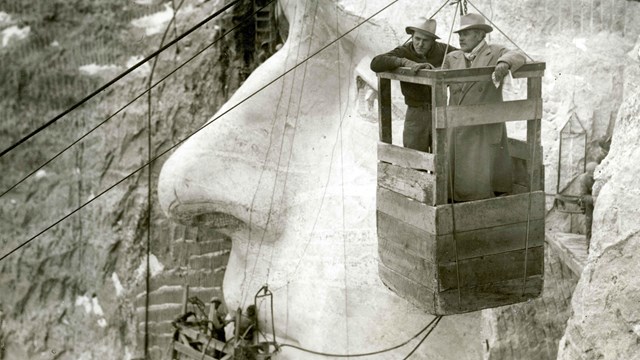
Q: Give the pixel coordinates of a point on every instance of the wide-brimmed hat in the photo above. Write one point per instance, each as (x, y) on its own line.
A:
(473, 21)
(425, 26)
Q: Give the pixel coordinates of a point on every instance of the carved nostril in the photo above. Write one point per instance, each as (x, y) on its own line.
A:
(203, 214)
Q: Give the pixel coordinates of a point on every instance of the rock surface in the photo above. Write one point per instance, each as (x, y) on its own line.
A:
(605, 323)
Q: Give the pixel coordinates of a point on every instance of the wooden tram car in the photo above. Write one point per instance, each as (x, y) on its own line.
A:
(451, 258)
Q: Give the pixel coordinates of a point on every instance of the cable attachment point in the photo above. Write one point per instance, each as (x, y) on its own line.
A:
(463, 5)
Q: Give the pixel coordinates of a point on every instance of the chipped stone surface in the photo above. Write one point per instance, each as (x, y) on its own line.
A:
(605, 304)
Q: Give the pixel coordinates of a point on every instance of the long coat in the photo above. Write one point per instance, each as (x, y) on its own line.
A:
(479, 156)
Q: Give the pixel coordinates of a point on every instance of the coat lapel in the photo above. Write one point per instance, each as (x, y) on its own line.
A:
(482, 59)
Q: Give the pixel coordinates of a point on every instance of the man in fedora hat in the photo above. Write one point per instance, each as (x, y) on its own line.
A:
(479, 155)
(423, 52)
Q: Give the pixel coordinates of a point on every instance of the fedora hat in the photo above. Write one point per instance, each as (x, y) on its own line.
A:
(425, 26)
(473, 21)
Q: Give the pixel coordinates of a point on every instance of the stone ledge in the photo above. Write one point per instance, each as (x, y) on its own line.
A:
(571, 248)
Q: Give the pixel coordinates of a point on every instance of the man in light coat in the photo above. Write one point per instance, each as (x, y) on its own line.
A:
(479, 156)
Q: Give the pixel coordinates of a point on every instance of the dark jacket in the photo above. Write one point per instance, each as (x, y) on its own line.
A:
(414, 94)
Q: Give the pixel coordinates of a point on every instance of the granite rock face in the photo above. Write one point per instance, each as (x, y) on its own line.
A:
(605, 323)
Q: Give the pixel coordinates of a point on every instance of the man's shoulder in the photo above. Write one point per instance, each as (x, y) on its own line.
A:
(496, 47)
(456, 54)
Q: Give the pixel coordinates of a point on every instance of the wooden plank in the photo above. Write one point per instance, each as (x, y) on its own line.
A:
(519, 189)
(197, 336)
(415, 184)
(405, 74)
(405, 157)
(413, 240)
(489, 241)
(420, 296)
(467, 115)
(407, 210)
(479, 214)
(415, 268)
(536, 173)
(191, 352)
(440, 149)
(488, 295)
(433, 77)
(384, 109)
(491, 268)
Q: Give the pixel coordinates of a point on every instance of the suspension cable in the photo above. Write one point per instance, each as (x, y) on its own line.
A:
(431, 17)
(132, 101)
(275, 181)
(501, 32)
(117, 78)
(437, 319)
(147, 297)
(433, 322)
(199, 129)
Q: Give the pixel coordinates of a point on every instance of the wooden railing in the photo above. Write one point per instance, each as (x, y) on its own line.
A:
(446, 116)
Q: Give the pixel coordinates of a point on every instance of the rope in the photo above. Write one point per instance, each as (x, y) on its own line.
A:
(117, 78)
(129, 103)
(195, 132)
(431, 17)
(446, 49)
(344, 240)
(424, 338)
(149, 206)
(266, 155)
(501, 32)
(435, 320)
(304, 76)
(440, 8)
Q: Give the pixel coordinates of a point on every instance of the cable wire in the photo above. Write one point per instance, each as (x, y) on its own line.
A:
(434, 320)
(438, 318)
(117, 78)
(131, 102)
(501, 32)
(149, 206)
(198, 130)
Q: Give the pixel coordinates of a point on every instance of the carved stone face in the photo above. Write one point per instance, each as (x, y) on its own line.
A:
(292, 173)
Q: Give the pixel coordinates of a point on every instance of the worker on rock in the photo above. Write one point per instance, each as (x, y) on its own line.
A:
(217, 322)
(479, 158)
(423, 52)
(586, 200)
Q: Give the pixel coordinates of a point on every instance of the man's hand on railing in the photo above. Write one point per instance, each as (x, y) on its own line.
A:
(415, 67)
(502, 69)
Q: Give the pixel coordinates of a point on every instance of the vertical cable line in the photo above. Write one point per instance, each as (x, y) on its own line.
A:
(344, 240)
(195, 132)
(245, 292)
(132, 101)
(286, 172)
(149, 168)
(117, 78)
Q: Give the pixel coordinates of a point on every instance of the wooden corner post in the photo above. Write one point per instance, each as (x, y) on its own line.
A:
(534, 128)
(384, 108)
(439, 146)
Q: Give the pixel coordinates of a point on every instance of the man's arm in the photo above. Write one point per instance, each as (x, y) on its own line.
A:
(391, 60)
(509, 60)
